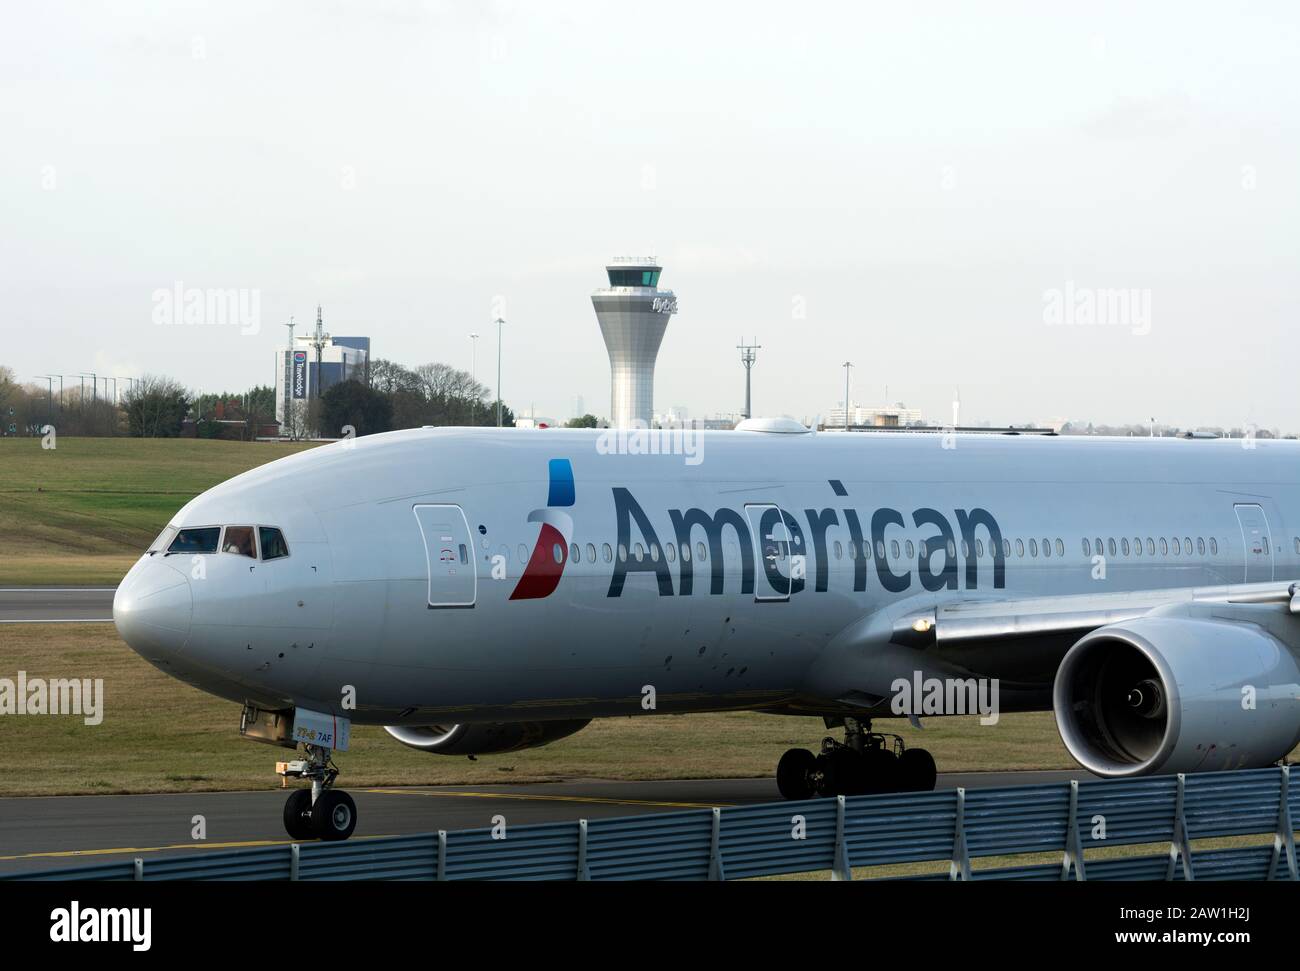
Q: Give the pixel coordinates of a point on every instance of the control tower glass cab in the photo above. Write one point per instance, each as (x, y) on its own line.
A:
(633, 314)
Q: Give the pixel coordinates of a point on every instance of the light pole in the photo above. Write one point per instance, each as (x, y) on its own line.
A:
(49, 397)
(51, 377)
(847, 367)
(499, 322)
(748, 355)
(473, 359)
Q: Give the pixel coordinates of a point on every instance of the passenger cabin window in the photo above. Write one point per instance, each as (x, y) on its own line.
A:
(203, 539)
(239, 540)
(273, 545)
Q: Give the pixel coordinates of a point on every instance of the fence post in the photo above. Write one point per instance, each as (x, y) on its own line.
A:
(1180, 845)
(293, 861)
(840, 870)
(139, 869)
(583, 872)
(959, 868)
(442, 855)
(1073, 848)
(1284, 838)
(716, 870)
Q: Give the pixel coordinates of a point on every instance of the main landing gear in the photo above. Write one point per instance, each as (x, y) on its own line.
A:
(865, 763)
(321, 812)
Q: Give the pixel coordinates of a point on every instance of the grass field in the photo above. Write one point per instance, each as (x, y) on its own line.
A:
(81, 513)
(159, 735)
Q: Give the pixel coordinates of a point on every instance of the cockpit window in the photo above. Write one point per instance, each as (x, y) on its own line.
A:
(273, 545)
(163, 541)
(239, 539)
(202, 539)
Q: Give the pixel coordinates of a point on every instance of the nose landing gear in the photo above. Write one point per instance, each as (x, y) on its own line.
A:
(865, 763)
(320, 812)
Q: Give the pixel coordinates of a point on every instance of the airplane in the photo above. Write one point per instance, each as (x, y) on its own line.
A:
(484, 590)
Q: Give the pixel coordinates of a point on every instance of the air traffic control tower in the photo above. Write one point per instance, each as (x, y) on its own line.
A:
(633, 314)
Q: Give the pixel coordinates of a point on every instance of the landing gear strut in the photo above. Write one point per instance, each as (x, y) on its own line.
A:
(865, 763)
(321, 812)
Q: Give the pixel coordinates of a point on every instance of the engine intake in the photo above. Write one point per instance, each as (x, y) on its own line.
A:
(486, 738)
(1177, 694)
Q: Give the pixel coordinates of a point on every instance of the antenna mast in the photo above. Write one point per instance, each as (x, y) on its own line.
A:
(318, 341)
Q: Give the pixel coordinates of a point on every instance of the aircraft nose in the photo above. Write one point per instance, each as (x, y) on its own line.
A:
(152, 609)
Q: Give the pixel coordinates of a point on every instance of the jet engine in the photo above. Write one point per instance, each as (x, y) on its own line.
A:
(1163, 694)
(486, 738)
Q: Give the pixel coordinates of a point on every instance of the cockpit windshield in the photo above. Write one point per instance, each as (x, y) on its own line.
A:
(202, 539)
(163, 541)
(273, 545)
(239, 539)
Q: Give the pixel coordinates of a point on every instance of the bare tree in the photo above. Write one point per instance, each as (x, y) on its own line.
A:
(156, 407)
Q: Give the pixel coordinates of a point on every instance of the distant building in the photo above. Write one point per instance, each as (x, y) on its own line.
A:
(530, 419)
(298, 379)
(896, 416)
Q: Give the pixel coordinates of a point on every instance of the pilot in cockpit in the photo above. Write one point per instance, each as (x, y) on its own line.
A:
(239, 539)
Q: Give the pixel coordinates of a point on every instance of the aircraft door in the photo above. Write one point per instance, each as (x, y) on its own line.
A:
(1258, 541)
(773, 557)
(449, 550)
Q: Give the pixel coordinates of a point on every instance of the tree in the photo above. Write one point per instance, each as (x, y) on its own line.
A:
(389, 378)
(155, 407)
(586, 421)
(353, 403)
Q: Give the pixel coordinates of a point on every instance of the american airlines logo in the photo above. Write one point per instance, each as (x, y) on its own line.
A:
(805, 550)
(551, 551)
(794, 550)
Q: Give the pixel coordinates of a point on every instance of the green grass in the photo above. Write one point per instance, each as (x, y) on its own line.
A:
(159, 735)
(83, 512)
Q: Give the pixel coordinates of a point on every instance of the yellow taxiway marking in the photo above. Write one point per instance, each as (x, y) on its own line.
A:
(540, 797)
(246, 844)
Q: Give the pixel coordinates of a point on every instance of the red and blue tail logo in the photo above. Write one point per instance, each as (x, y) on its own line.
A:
(545, 567)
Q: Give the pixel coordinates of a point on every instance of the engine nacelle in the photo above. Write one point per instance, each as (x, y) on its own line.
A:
(1167, 694)
(485, 738)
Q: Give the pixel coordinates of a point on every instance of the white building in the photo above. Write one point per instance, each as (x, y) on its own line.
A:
(298, 379)
(896, 416)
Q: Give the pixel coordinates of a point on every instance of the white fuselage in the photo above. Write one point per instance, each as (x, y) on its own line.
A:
(487, 575)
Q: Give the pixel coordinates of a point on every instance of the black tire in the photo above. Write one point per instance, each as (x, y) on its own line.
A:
(882, 770)
(792, 774)
(297, 815)
(334, 816)
(918, 770)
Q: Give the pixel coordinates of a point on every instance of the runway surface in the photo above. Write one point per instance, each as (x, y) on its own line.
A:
(55, 605)
(54, 832)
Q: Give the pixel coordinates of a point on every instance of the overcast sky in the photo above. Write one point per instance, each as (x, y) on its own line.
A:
(936, 193)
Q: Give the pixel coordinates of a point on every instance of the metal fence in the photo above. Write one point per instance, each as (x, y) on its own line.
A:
(1076, 821)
